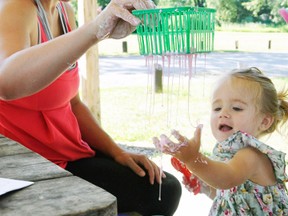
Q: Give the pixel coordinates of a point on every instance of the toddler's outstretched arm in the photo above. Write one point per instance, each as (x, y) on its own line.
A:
(217, 174)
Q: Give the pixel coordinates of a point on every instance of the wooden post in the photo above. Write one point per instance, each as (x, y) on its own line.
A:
(124, 46)
(158, 78)
(87, 10)
(236, 44)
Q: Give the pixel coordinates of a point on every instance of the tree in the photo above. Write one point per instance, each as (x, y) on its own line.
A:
(266, 11)
(242, 11)
(104, 3)
(191, 3)
(233, 11)
(199, 3)
(275, 10)
(227, 10)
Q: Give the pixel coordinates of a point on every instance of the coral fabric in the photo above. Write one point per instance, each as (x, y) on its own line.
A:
(45, 123)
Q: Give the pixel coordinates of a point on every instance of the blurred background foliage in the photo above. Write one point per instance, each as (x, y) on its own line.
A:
(263, 12)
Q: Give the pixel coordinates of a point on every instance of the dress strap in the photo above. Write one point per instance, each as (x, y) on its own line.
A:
(44, 21)
(43, 25)
(63, 17)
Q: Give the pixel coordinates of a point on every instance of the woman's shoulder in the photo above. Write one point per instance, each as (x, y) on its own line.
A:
(15, 12)
(16, 6)
(18, 21)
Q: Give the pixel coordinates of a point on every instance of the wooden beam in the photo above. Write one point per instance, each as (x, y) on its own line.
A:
(87, 10)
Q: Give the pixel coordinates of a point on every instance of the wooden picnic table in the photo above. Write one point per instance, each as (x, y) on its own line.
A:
(55, 191)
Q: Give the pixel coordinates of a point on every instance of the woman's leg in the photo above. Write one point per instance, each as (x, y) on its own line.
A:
(133, 193)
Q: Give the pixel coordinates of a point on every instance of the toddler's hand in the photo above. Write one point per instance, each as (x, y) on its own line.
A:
(166, 145)
(183, 149)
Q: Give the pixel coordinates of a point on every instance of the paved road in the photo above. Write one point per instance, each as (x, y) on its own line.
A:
(272, 63)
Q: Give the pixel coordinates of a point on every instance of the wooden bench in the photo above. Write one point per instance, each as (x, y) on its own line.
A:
(55, 191)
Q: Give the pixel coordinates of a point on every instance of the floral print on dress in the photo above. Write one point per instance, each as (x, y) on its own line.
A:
(250, 199)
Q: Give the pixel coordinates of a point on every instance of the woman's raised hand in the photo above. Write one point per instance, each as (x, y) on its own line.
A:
(116, 20)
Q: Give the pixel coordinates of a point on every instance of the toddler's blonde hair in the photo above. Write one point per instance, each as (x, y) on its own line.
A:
(270, 101)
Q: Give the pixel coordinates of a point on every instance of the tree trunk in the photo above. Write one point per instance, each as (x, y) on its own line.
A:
(89, 64)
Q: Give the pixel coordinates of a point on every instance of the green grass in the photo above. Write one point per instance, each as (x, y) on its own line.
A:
(252, 27)
(133, 115)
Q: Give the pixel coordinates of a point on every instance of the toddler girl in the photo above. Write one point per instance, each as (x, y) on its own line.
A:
(244, 176)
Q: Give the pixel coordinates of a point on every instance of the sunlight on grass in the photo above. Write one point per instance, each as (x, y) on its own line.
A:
(251, 27)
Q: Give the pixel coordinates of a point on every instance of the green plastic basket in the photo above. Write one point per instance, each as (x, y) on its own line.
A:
(180, 30)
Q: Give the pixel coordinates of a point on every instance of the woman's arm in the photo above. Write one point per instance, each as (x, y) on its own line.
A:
(91, 132)
(99, 140)
(26, 68)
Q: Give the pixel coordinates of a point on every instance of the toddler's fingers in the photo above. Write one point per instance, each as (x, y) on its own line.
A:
(178, 136)
(156, 143)
(197, 133)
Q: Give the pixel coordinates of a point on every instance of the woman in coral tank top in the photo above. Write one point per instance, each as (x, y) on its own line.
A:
(40, 105)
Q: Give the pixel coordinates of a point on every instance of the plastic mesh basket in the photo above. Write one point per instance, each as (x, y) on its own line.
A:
(176, 30)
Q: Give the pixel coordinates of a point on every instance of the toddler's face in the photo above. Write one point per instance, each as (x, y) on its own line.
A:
(233, 109)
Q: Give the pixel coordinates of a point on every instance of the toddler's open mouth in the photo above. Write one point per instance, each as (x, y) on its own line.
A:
(225, 128)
